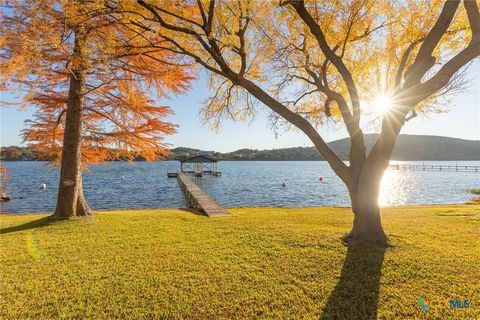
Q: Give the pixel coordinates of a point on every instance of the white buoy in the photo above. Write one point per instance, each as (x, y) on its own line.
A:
(284, 184)
(123, 177)
(43, 186)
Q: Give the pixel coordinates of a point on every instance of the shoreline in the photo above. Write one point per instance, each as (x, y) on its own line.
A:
(471, 203)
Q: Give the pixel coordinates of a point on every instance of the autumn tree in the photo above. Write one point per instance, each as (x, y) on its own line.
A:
(315, 62)
(93, 83)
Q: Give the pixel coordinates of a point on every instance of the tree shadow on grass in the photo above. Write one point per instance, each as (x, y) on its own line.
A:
(29, 225)
(356, 294)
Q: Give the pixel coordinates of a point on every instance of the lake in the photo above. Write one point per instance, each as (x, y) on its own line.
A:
(243, 183)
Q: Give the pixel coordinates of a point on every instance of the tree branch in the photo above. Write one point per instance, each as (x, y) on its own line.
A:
(446, 72)
(301, 123)
(424, 60)
(403, 62)
(317, 32)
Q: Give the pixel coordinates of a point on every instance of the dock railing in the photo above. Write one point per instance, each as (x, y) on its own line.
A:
(435, 167)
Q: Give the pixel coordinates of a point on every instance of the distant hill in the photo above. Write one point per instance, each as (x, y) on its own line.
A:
(419, 148)
(408, 147)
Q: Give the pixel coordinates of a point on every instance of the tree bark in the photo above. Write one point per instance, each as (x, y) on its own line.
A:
(367, 224)
(71, 201)
(365, 186)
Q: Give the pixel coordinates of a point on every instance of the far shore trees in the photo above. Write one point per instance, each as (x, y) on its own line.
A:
(312, 62)
(93, 83)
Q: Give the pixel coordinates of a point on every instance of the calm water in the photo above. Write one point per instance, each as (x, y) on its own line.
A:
(242, 184)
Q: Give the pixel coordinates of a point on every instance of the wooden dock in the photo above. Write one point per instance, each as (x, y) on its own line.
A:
(199, 199)
(434, 167)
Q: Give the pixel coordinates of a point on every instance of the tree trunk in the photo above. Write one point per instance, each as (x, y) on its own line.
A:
(364, 188)
(70, 201)
(367, 224)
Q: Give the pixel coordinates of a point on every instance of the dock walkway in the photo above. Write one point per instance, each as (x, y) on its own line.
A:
(199, 199)
(433, 167)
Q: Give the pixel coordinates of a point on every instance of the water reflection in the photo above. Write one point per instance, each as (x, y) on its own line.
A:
(425, 187)
(394, 188)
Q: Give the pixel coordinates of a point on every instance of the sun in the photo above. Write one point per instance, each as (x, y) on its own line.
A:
(382, 104)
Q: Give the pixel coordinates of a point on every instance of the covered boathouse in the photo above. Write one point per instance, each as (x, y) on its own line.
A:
(198, 165)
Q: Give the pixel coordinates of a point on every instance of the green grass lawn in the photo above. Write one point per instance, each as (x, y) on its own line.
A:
(260, 263)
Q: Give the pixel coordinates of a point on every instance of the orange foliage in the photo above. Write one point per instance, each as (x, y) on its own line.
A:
(126, 72)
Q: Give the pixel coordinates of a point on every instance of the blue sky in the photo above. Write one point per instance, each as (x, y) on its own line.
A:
(462, 121)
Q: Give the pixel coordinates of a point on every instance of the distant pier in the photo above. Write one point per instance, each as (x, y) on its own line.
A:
(434, 167)
(199, 199)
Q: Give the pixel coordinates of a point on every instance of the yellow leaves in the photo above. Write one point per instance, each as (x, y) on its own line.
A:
(255, 72)
(227, 102)
(274, 48)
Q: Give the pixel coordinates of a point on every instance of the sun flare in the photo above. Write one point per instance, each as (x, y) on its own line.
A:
(382, 104)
